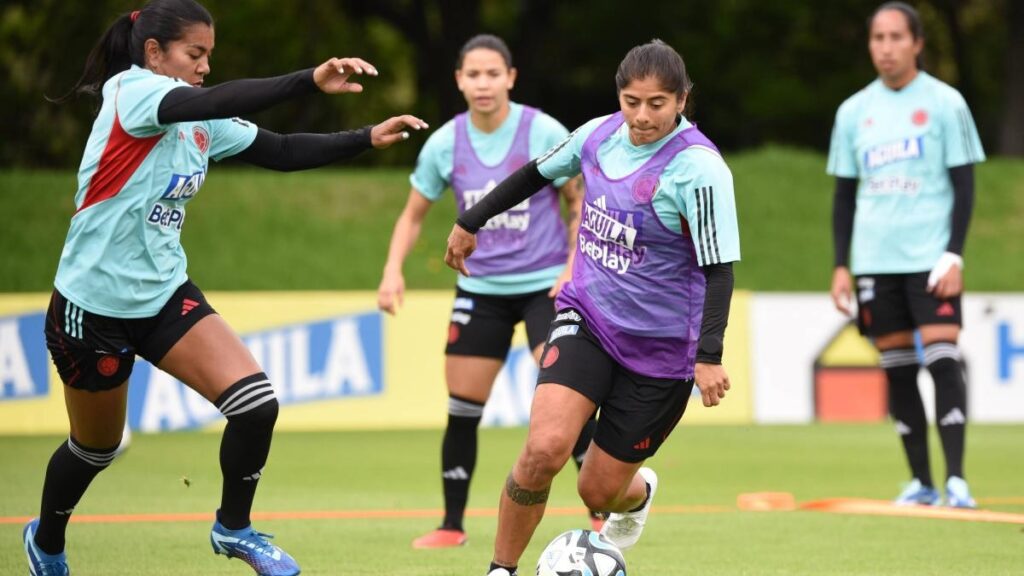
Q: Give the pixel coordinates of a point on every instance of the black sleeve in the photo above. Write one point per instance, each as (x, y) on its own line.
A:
(522, 184)
(844, 204)
(287, 152)
(963, 204)
(717, 298)
(235, 98)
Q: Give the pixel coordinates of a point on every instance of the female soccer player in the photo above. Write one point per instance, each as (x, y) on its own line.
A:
(903, 153)
(644, 314)
(121, 287)
(521, 265)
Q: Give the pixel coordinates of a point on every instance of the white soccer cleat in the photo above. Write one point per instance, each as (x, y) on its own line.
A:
(500, 572)
(958, 495)
(624, 528)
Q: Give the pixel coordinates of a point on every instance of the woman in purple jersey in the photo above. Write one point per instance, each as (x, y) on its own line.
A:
(518, 269)
(625, 337)
(163, 52)
(921, 295)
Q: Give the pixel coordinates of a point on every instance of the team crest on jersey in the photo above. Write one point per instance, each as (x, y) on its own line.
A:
(201, 138)
(920, 117)
(891, 152)
(644, 188)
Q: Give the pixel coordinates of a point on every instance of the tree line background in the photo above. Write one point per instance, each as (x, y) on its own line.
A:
(764, 72)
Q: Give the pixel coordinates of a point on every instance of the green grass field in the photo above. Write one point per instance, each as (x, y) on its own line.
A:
(329, 229)
(699, 466)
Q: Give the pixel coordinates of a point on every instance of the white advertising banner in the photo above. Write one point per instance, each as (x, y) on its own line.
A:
(993, 346)
(790, 333)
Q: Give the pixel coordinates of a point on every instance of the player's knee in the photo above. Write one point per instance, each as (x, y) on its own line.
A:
(541, 461)
(596, 493)
(263, 416)
(595, 497)
(250, 401)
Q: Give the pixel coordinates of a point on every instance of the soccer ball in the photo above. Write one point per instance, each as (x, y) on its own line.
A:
(581, 553)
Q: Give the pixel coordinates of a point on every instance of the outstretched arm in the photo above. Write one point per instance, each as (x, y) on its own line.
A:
(243, 97)
(288, 152)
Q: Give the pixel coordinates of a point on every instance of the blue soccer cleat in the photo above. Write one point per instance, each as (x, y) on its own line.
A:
(40, 563)
(252, 547)
(917, 493)
(957, 493)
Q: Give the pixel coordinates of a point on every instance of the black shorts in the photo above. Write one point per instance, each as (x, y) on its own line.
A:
(94, 352)
(482, 325)
(637, 412)
(890, 303)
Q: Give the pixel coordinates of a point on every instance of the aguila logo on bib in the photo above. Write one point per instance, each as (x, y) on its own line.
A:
(201, 138)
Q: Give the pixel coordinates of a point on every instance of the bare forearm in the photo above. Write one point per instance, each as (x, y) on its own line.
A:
(404, 237)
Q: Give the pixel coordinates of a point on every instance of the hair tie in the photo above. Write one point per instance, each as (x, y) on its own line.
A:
(134, 15)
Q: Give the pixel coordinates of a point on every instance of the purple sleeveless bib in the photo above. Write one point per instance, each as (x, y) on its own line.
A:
(636, 282)
(527, 237)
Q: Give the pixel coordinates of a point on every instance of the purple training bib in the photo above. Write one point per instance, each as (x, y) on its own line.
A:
(527, 237)
(637, 283)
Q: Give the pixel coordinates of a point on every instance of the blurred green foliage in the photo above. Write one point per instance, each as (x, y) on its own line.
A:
(765, 72)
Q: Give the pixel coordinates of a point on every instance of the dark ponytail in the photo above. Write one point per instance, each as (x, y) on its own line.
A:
(123, 44)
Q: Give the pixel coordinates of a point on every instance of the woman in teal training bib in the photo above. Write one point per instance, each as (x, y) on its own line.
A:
(903, 153)
(519, 269)
(121, 287)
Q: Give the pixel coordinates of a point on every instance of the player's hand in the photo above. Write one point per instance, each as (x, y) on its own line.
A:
(712, 381)
(332, 77)
(946, 279)
(562, 279)
(460, 246)
(395, 129)
(842, 290)
(391, 293)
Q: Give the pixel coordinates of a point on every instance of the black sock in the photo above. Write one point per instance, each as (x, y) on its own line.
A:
(907, 409)
(72, 467)
(647, 485)
(943, 361)
(511, 569)
(458, 457)
(251, 409)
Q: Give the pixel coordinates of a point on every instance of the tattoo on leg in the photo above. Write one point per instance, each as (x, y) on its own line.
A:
(522, 496)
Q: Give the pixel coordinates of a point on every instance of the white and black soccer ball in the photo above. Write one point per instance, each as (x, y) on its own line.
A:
(581, 553)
